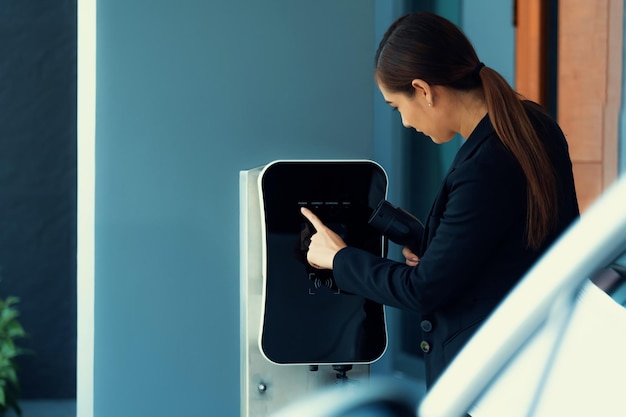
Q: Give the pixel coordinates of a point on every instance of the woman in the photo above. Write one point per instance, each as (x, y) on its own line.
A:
(507, 196)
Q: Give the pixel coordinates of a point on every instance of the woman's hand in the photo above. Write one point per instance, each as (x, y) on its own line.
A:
(324, 243)
(411, 258)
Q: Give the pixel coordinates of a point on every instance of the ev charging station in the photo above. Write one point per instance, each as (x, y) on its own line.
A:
(299, 332)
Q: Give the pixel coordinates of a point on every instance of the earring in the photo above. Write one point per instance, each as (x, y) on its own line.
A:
(430, 104)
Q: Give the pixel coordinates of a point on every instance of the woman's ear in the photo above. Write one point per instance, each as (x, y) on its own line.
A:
(423, 90)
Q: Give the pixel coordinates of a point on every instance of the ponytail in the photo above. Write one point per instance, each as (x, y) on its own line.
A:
(508, 116)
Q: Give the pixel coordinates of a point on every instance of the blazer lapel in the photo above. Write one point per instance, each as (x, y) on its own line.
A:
(482, 131)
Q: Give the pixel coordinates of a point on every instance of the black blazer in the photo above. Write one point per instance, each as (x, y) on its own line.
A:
(474, 245)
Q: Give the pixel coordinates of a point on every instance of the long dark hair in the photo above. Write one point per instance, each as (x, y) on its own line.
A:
(426, 46)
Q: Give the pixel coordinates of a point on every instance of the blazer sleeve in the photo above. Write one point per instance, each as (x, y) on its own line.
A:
(479, 213)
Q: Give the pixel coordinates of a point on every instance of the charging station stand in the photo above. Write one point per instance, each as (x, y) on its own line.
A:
(267, 386)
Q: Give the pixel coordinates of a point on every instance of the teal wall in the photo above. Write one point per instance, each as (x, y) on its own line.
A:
(188, 94)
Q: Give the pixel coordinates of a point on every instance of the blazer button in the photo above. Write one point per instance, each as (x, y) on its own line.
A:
(425, 346)
(426, 325)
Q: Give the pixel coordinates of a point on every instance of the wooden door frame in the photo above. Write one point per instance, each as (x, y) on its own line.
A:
(589, 80)
(531, 41)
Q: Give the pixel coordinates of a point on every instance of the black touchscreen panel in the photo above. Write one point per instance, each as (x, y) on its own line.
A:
(307, 319)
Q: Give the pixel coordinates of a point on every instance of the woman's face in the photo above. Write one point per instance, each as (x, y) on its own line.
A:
(416, 112)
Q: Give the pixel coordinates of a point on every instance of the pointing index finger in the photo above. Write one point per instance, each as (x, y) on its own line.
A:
(310, 216)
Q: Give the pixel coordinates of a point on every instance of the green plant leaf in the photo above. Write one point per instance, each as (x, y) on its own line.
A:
(11, 376)
(15, 330)
(7, 350)
(10, 329)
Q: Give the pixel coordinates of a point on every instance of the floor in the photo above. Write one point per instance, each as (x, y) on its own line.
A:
(46, 408)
